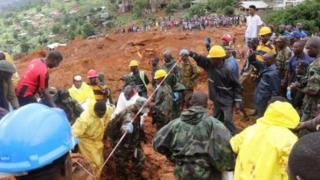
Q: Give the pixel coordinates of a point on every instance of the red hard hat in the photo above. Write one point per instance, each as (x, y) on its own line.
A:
(226, 37)
(92, 73)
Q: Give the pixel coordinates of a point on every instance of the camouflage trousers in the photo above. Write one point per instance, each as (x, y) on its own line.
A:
(124, 157)
(160, 120)
(191, 171)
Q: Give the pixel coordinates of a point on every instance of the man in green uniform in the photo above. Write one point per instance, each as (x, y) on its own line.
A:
(189, 77)
(130, 149)
(162, 101)
(312, 90)
(139, 78)
(196, 143)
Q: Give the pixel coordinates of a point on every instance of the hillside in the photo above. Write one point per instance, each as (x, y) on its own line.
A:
(111, 54)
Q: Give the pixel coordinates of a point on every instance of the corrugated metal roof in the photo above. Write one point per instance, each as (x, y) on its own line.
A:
(258, 4)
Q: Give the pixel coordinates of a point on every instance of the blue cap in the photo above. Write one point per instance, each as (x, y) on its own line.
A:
(32, 137)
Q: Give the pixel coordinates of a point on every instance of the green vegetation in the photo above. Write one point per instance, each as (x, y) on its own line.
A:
(213, 6)
(306, 13)
(38, 23)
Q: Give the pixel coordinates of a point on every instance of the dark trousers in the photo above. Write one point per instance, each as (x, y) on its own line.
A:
(225, 114)
(26, 100)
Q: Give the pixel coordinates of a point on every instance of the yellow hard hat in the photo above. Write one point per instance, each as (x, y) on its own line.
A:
(217, 52)
(160, 74)
(265, 30)
(133, 63)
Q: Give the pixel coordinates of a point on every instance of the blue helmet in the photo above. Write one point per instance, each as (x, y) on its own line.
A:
(32, 137)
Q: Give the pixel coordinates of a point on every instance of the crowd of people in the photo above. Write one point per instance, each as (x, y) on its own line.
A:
(282, 144)
(187, 24)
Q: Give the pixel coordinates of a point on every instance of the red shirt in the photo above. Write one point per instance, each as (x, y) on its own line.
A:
(34, 79)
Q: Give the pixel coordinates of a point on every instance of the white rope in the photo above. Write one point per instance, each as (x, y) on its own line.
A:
(136, 115)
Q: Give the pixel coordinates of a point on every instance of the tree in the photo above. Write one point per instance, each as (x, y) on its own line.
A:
(198, 9)
(228, 11)
(139, 6)
(56, 29)
(24, 47)
(87, 30)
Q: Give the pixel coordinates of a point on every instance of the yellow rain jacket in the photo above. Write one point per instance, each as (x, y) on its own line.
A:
(82, 95)
(15, 77)
(263, 148)
(89, 129)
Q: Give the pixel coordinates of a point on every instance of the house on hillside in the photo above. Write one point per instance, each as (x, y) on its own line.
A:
(280, 4)
(126, 5)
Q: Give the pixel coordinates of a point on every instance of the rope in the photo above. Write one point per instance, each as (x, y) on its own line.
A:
(136, 115)
(85, 169)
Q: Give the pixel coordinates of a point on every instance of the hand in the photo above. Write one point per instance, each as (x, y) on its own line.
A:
(3, 111)
(289, 95)
(128, 128)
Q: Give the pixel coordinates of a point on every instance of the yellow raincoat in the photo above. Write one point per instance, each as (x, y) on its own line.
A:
(263, 148)
(83, 94)
(90, 130)
(15, 77)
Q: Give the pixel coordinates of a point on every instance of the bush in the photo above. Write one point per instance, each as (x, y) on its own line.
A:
(87, 30)
(24, 47)
(56, 29)
(219, 5)
(172, 6)
(307, 13)
(198, 9)
(139, 6)
(228, 11)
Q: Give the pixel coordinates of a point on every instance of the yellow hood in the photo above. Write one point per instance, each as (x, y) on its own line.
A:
(280, 114)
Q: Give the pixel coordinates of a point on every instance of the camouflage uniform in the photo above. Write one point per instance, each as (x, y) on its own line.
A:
(197, 144)
(282, 58)
(189, 76)
(162, 109)
(174, 81)
(130, 148)
(311, 102)
(154, 69)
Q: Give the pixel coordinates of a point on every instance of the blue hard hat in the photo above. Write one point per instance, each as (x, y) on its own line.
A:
(32, 137)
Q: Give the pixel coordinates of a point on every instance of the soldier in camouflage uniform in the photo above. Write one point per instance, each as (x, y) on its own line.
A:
(312, 90)
(282, 57)
(189, 77)
(162, 101)
(130, 149)
(196, 143)
(174, 81)
(155, 67)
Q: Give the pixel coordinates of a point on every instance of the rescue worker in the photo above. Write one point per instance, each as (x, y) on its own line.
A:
(9, 58)
(303, 160)
(90, 128)
(36, 145)
(64, 101)
(282, 59)
(140, 79)
(81, 92)
(129, 150)
(155, 67)
(224, 89)
(196, 143)
(231, 64)
(162, 101)
(100, 90)
(189, 77)
(8, 98)
(312, 90)
(268, 82)
(266, 46)
(35, 79)
(269, 140)
(174, 81)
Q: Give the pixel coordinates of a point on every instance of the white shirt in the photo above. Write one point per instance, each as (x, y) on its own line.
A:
(252, 26)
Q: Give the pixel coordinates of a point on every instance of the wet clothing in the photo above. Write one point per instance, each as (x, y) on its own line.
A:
(233, 66)
(268, 85)
(189, 77)
(140, 82)
(197, 144)
(311, 102)
(263, 148)
(130, 149)
(224, 89)
(89, 129)
(83, 94)
(263, 49)
(293, 62)
(162, 109)
(34, 80)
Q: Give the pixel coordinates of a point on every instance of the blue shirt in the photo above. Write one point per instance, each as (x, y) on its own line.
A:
(293, 62)
(232, 65)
